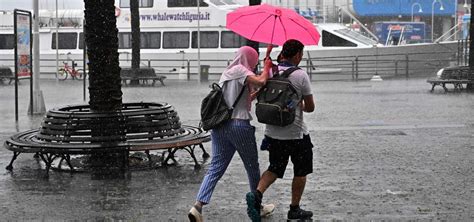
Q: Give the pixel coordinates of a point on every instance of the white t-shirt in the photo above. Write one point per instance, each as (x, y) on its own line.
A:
(300, 80)
(232, 89)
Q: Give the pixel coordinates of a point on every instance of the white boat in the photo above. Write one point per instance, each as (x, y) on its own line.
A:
(169, 41)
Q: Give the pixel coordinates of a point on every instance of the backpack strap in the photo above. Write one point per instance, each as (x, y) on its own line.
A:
(288, 71)
(238, 97)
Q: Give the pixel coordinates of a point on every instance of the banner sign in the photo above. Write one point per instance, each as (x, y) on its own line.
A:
(23, 42)
(183, 16)
(404, 7)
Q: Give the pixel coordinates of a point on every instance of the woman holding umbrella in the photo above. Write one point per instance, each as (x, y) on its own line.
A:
(236, 134)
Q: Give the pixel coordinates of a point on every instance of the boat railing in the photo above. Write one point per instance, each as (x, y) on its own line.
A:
(355, 67)
(394, 65)
(450, 34)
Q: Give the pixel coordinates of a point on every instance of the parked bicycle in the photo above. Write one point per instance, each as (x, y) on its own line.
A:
(67, 70)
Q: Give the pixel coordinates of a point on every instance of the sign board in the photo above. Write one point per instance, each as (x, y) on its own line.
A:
(23, 52)
(391, 32)
(23, 49)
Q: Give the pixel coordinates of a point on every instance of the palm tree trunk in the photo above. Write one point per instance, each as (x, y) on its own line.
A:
(135, 24)
(102, 50)
(104, 81)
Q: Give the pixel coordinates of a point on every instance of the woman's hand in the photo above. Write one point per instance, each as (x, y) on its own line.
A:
(267, 63)
(253, 95)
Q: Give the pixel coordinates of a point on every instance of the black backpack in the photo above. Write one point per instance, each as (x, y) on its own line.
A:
(277, 100)
(214, 109)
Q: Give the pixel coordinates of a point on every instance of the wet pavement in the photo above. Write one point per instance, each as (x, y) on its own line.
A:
(387, 150)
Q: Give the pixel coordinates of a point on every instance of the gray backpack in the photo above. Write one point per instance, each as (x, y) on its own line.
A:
(277, 100)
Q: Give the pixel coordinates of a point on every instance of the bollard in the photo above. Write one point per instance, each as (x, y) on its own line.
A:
(396, 67)
(406, 67)
(189, 69)
(357, 68)
(353, 68)
(149, 63)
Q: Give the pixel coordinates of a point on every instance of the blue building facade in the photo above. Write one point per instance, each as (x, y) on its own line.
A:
(404, 7)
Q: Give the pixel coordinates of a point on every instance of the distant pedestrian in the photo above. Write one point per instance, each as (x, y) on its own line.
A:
(292, 141)
(236, 134)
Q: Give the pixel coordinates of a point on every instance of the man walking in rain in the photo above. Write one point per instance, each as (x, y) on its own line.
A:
(292, 141)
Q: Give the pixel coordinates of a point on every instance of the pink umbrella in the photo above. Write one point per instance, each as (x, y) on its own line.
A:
(272, 25)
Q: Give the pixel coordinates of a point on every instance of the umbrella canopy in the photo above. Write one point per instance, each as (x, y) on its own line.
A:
(272, 25)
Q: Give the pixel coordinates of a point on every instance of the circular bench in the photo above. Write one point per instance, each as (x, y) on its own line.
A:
(74, 130)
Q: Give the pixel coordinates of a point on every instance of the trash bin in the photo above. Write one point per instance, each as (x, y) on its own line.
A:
(205, 73)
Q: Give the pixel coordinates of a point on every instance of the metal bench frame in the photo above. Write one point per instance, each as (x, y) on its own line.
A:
(6, 73)
(143, 75)
(451, 75)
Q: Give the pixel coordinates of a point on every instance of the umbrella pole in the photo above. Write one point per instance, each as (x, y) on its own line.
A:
(251, 43)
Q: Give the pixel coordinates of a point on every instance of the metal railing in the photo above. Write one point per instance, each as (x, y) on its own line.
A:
(463, 52)
(354, 67)
(388, 65)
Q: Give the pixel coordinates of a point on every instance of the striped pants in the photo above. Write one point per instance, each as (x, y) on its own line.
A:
(234, 135)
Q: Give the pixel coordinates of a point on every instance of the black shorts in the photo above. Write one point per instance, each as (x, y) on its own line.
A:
(300, 151)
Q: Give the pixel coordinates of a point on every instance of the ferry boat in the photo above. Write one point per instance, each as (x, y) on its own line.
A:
(169, 39)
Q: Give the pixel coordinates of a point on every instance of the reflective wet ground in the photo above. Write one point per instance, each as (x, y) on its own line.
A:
(387, 150)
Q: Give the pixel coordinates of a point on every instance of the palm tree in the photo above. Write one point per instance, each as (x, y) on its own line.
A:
(105, 94)
(102, 50)
(135, 23)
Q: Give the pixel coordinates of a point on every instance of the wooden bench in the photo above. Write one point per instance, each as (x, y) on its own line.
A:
(143, 75)
(457, 76)
(6, 73)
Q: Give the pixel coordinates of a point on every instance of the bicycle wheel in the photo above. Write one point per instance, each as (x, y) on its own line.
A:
(79, 74)
(62, 74)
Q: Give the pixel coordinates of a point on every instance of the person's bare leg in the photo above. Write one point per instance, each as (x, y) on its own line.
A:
(195, 214)
(267, 179)
(199, 204)
(297, 188)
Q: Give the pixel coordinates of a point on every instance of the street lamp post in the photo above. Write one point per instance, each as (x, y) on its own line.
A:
(413, 7)
(432, 16)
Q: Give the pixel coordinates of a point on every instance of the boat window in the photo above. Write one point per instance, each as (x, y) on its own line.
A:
(125, 40)
(150, 40)
(141, 3)
(330, 39)
(65, 40)
(231, 40)
(208, 39)
(175, 40)
(7, 41)
(81, 40)
(186, 3)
